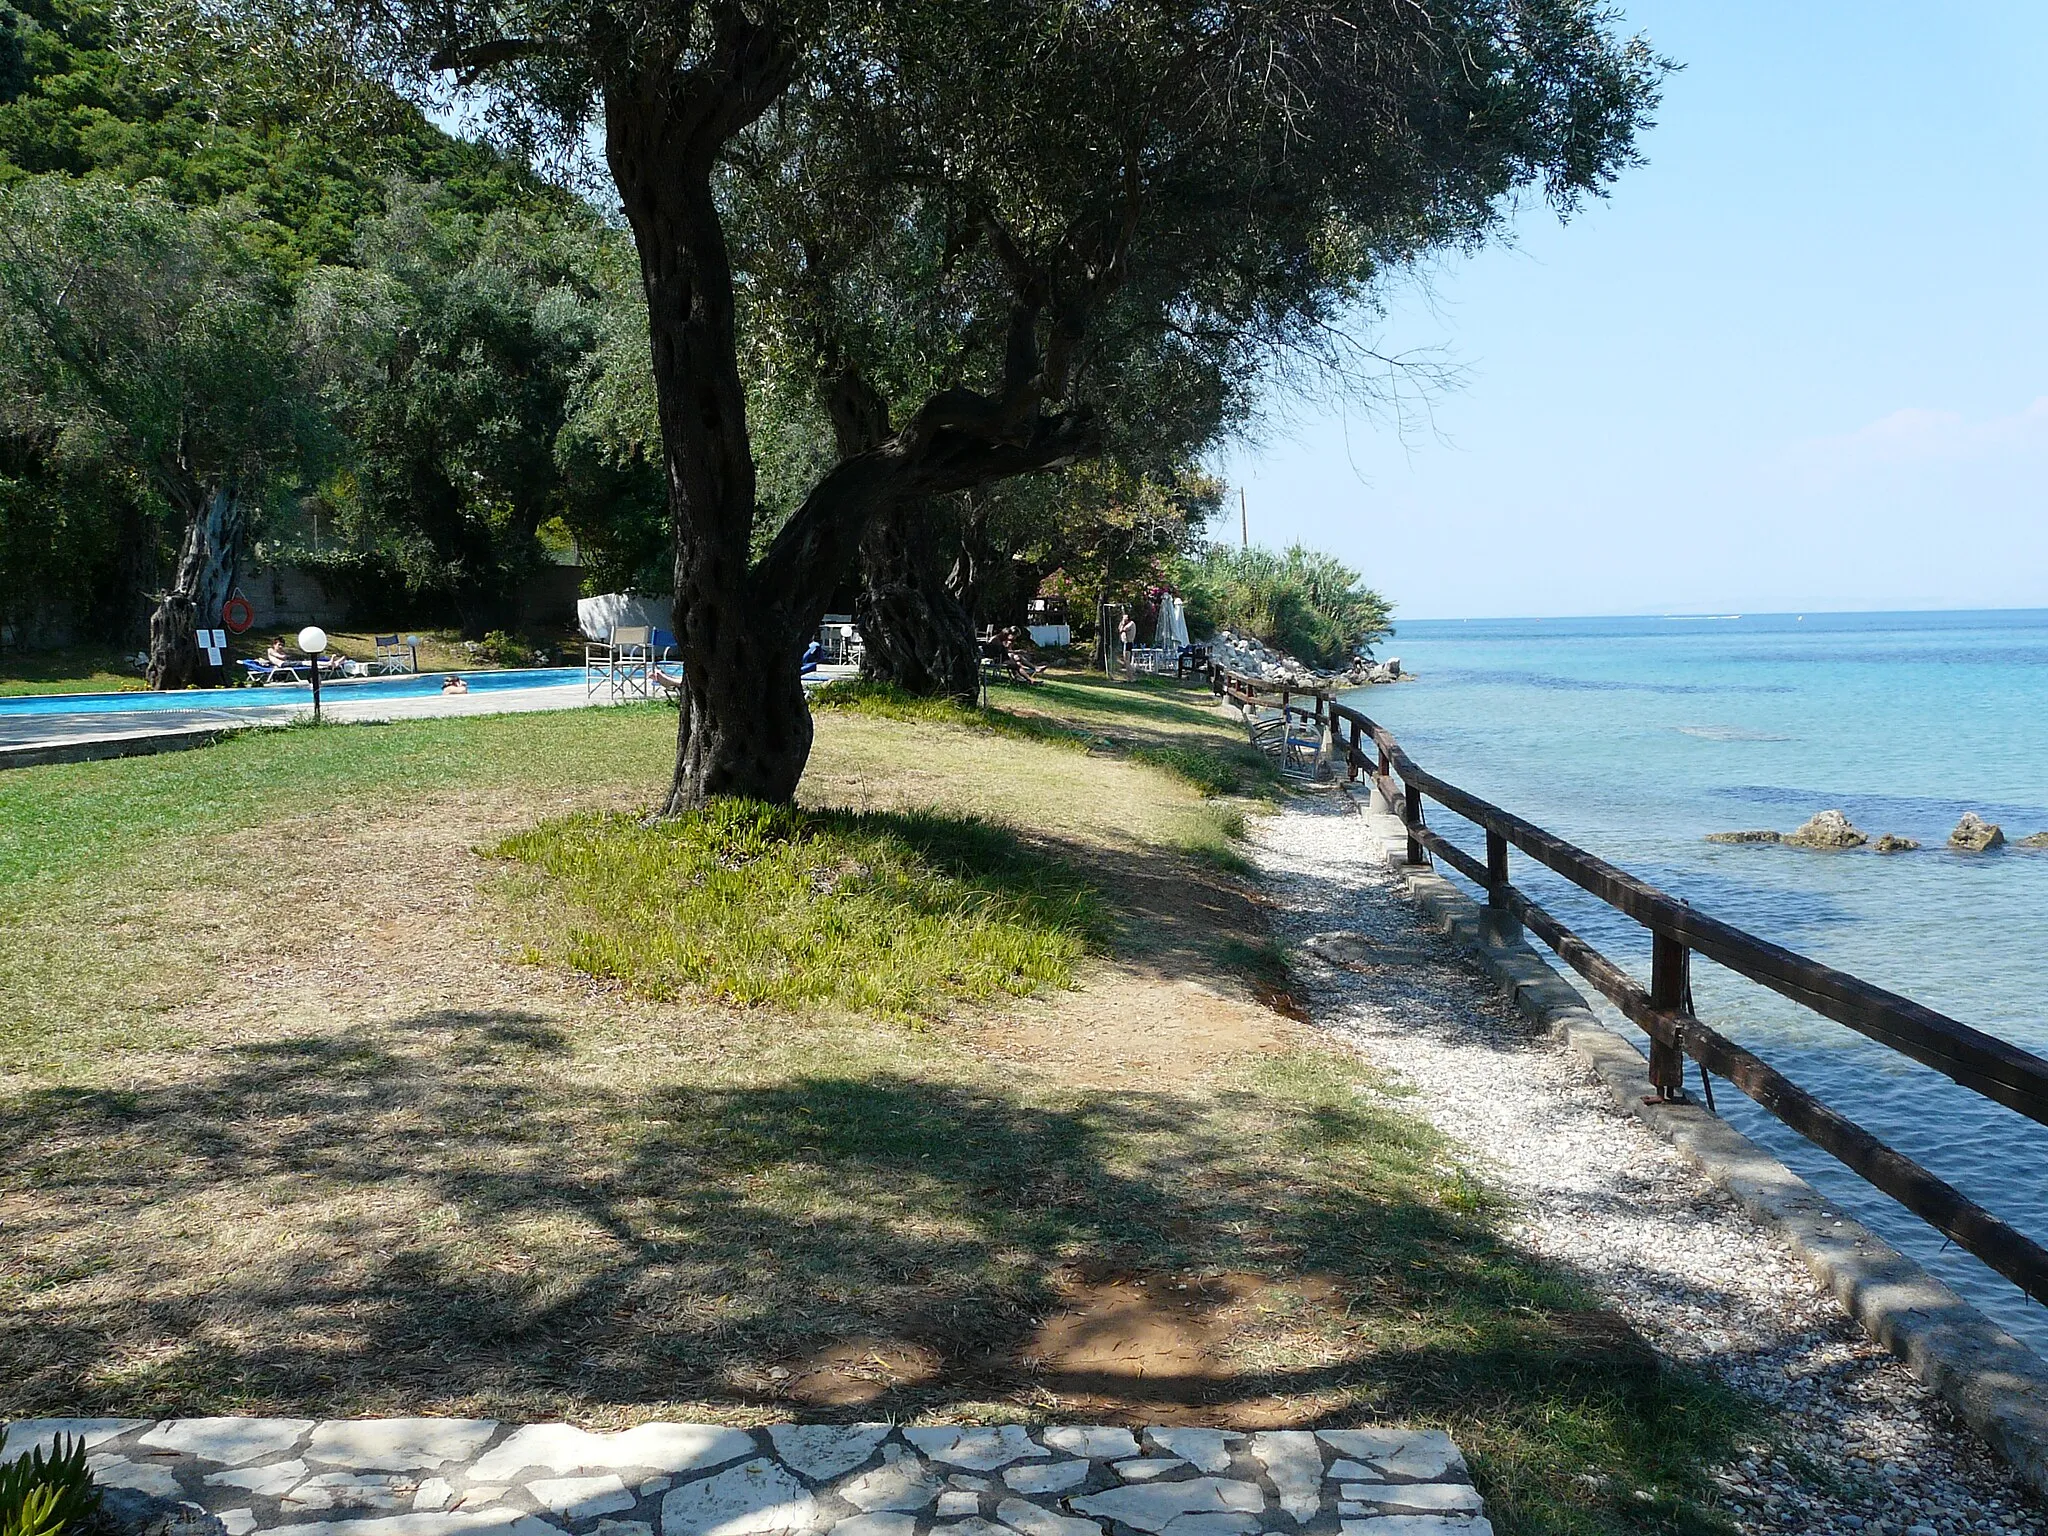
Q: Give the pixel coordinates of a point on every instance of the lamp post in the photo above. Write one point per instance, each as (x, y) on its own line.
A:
(412, 643)
(313, 641)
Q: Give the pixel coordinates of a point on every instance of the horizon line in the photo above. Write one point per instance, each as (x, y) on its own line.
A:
(1702, 614)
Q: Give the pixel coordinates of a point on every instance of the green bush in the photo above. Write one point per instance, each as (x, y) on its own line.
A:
(51, 1496)
(506, 650)
(1302, 602)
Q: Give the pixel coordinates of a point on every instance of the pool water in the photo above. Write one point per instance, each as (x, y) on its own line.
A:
(410, 686)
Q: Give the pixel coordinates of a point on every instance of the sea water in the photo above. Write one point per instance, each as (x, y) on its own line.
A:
(1635, 738)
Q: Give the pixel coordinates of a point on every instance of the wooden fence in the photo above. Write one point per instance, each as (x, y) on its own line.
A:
(1982, 1063)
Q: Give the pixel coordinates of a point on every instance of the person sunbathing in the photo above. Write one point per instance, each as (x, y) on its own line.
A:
(277, 655)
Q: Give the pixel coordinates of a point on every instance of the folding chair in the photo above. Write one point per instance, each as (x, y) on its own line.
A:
(632, 661)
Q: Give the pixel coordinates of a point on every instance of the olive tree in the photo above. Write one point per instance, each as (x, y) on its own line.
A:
(153, 341)
(1015, 181)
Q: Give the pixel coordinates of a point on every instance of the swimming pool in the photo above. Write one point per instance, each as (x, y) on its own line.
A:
(410, 686)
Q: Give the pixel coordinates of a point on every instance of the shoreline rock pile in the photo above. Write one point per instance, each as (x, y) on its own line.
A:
(1831, 831)
(1253, 658)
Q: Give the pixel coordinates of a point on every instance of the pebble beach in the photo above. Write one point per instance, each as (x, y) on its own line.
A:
(1853, 1442)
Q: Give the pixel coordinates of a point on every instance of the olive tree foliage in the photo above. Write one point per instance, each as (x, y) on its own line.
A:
(454, 354)
(1100, 532)
(145, 340)
(953, 208)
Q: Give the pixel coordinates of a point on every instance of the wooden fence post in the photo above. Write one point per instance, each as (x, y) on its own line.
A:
(1496, 871)
(1411, 812)
(1670, 961)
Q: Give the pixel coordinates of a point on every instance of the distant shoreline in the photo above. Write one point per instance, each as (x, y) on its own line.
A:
(1820, 616)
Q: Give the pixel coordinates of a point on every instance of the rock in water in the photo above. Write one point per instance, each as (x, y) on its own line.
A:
(1891, 844)
(1830, 829)
(1760, 835)
(2038, 840)
(1973, 834)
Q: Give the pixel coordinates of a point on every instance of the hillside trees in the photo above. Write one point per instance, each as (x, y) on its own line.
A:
(165, 92)
(1235, 176)
(504, 302)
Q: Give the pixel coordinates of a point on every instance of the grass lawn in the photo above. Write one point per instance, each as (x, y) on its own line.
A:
(389, 1069)
(75, 669)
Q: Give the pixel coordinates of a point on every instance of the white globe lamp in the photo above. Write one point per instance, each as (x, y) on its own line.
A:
(313, 641)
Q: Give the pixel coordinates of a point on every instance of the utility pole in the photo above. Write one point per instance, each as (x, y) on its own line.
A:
(1244, 522)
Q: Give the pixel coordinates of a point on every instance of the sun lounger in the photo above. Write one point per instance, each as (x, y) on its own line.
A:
(299, 669)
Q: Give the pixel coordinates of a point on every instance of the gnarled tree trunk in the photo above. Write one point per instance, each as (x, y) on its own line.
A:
(919, 635)
(207, 565)
(744, 728)
(741, 625)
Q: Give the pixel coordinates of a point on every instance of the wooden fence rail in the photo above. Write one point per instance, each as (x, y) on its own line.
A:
(1994, 1068)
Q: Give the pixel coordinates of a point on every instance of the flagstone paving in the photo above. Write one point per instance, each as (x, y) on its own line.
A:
(477, 1477)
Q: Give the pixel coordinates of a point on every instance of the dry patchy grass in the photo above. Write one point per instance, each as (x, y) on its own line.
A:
(371, 1162)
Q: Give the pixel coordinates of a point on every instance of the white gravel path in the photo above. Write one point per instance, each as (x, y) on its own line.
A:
(1862, 1447)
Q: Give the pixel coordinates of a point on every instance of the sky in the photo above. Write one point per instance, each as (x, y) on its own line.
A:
(1797, 360)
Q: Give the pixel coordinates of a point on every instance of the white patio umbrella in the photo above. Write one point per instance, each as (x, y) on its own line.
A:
(1173, 624)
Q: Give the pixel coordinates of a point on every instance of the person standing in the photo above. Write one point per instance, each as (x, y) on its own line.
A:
(1128, 633)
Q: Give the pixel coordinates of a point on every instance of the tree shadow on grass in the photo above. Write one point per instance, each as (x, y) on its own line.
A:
(444, 1214)
(1145, 701)
(1228, 767)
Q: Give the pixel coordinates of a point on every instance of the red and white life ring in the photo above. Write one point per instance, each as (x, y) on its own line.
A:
(237, 614)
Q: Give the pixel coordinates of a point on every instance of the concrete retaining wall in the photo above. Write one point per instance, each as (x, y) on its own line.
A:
(288, 595)
(141, 744)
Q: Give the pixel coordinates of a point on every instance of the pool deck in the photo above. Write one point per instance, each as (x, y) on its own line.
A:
(28, 740)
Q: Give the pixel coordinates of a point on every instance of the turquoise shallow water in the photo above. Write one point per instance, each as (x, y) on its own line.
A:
(1637, 737)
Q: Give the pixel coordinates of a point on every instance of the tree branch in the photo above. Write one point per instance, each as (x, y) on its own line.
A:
(466, 61)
